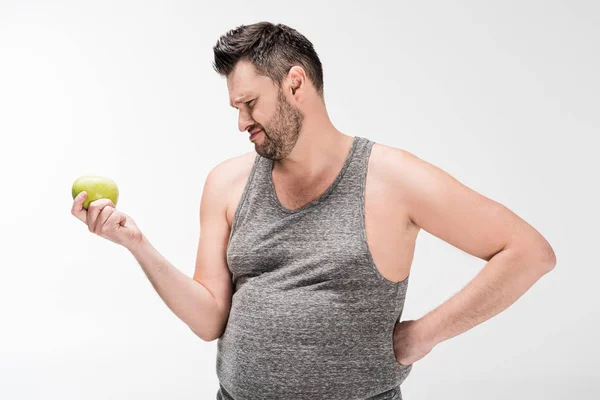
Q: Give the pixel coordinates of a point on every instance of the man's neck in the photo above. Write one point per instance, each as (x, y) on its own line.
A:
(316, 156)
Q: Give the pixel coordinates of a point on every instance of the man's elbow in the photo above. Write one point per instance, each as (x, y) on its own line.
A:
(542, 256)
(536, 253)
(549, 258)
(205, 336)
(546, 256)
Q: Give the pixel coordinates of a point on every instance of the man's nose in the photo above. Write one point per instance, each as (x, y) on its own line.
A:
(244, 121)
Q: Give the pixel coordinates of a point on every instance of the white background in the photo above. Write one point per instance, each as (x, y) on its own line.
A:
(502, 95)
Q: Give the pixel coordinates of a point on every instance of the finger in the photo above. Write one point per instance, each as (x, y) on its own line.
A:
(77, 208)
(116, 220)
(94, 210)
(105, 214)
(98, 208)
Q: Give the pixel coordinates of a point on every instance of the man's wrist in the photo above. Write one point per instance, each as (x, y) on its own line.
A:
(427, 331)
(138, 245)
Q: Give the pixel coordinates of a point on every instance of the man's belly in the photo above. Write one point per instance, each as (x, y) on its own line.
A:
(297, 345)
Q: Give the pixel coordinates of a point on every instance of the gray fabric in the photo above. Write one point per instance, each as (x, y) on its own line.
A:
(393, 394)
(311, 316)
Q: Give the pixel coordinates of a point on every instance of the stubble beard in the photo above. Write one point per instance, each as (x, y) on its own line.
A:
(281, 136)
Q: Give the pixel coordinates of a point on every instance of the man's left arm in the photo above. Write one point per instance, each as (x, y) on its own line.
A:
(517, 254)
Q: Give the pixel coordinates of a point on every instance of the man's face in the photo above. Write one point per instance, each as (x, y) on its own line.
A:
(263, 105)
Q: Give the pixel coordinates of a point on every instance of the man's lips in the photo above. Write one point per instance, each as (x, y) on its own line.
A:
(255, 132)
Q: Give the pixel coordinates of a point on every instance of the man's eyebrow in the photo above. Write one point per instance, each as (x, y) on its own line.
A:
(238, 100)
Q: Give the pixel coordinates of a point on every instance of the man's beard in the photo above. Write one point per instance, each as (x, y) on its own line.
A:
(281, 136)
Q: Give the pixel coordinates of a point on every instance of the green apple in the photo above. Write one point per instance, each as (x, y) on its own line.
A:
(96, 187)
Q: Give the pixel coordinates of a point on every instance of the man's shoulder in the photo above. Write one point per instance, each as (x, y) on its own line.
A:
(403, 172)
(235, 162)
(390, 162)
(233, 169)
(401, 163)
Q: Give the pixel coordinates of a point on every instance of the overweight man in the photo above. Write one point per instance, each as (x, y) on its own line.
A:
(307, 242)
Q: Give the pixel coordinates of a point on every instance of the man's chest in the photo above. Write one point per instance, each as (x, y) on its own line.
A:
(390, 235)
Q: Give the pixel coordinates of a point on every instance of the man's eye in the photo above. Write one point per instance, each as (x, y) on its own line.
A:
(248, 103)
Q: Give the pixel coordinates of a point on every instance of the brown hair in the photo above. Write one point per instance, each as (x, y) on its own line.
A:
(272, 49)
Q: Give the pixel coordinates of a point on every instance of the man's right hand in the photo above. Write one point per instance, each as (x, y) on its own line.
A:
(103, 219)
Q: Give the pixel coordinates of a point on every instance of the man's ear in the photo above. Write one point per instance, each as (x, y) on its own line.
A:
(295, 81)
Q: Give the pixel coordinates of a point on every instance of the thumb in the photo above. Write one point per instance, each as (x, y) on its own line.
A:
(122, 219)
(130, 233)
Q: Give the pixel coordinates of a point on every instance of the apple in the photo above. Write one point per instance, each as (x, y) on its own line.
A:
(96, 187)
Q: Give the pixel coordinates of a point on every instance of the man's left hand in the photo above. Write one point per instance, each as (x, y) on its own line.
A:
(409, 345)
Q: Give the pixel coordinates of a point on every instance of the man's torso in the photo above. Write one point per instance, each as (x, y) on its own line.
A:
(391, 235)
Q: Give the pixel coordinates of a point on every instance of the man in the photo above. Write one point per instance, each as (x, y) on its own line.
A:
(307, 242)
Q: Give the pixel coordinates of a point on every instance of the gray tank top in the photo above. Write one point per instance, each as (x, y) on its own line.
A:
(311, 316)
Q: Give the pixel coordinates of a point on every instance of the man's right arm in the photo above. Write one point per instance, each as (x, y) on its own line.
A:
(202, 302)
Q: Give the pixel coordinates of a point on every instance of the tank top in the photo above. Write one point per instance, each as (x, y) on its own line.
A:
(311, 317)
